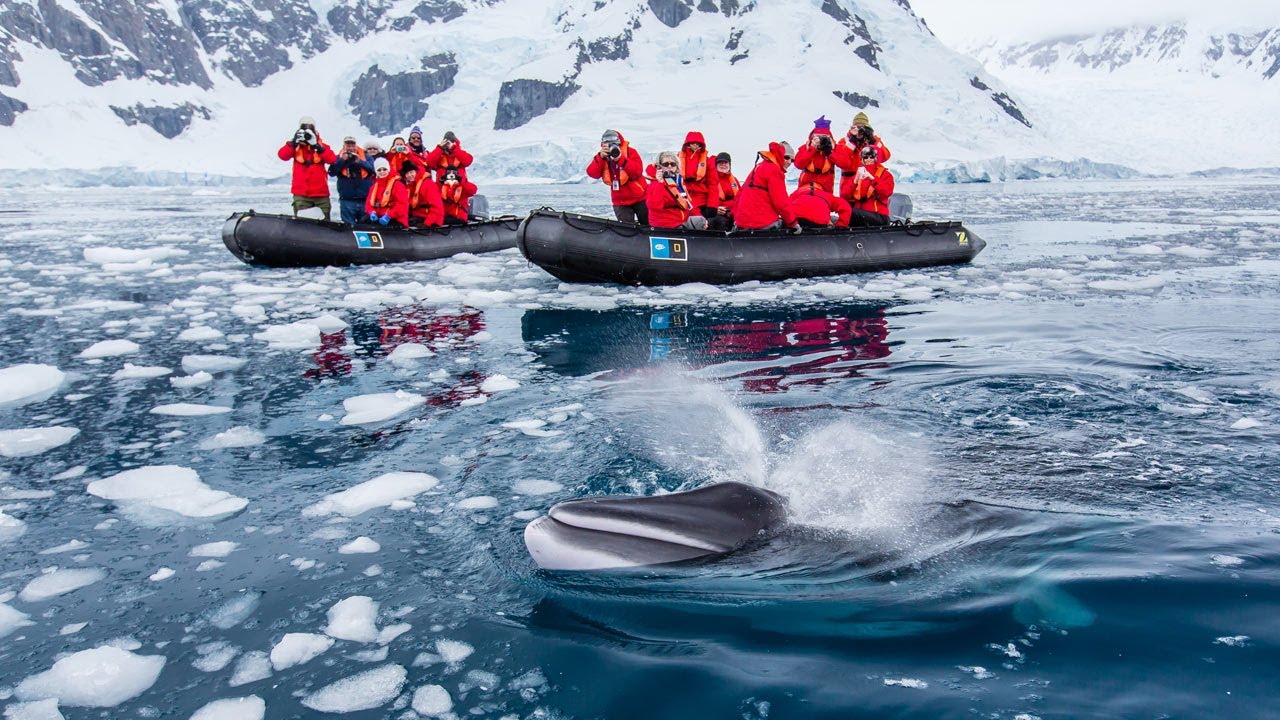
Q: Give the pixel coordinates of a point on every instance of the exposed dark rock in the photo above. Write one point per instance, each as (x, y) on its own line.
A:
(9, 109)
(976, 82)
(671, 12)
(734, 37)
(607, 48)
(707, 6)
(355, 20)
(251, 39)
(168, 121)
(1007, 104)
(867, 48)
(858, 100)
(390, 103)
(740, 56)
(442, 10)
(520, 101)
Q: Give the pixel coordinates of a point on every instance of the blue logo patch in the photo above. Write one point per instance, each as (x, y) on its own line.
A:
(665, 248)
(368, 240)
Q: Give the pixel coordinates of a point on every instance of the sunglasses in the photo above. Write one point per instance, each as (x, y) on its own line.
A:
(382, 170)
(787, 158)
(669, 164)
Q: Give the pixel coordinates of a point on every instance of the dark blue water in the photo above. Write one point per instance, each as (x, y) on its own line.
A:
(1042, 485)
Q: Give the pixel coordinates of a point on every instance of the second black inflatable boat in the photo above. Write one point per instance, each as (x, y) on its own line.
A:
(586, 249)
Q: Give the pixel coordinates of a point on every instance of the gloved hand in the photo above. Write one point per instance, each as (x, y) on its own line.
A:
(794, 230)
(317, 147)
(384, 219)
(861, 173)
(373, 217)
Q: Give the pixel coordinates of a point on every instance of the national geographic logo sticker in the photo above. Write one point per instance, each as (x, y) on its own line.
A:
(368, 240)
(664, 248)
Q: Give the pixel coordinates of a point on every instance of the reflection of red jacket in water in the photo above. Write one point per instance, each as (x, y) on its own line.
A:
(329, 358)
(830, 340)
(429, 328)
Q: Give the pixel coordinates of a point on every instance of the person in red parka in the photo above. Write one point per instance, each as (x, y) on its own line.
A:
(388, 201)
(819, 157)
(310, 184)
(619, 166)
(456, 192)
(669, 204)
(763, 203)
(698, 171)
(849, 151)
(426, 209)
(729, 187)
(872, 186)
(813, 207)
(449, 155)
(401, 154)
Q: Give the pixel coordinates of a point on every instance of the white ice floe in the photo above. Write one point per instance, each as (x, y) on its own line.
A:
(200, 333)
(1246, 424)
(1226, 560)
(294, 336)
(354, 618)
(214, 656)
(102, 677)
(12, 620)
(26, 442)
(536, 487)
(1232, 640)
(72, 628)
(208, 565)
(298, 648)
(139, 372)
(409, 354)
(170, 488)
(110, 348)
(907, 683)
(68, 546)
(28, 383)
(35, 710)
(236, 437)
(11, 528)
(55, 581)
(453, 651)
(189, 409)
(196, 379)
(376, 407)
(478, 502)
(432, 701)
(378, 492)
(219, 549)
(122, 256)
(498, 383)
(192, 364)
(235, 610)
(391, 632)
(360, 545)
(163, 573)
(252, 667)
(363, 691)
(241, 708)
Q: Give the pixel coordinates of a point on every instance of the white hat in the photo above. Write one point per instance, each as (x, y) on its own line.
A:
(306, 120)
(380, 164)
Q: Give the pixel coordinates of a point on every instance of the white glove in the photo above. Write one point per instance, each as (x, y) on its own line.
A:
(862, 173)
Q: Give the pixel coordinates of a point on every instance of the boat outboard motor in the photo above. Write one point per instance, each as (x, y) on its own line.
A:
(478, 208)
(626, 531)
(899, 208)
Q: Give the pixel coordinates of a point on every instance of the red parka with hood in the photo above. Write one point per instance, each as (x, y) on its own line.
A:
(701, 180)
(668, 205)
(814, 204)
(388, 196)
(310, 178)
(763, 200)
(441, 161)
(624, 176)
(871, 192)
(455, 196)
(425, 203)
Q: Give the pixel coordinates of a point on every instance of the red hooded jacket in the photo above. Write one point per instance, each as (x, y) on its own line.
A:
(763, 199)
(729, 189)
(424, 201)
(458, 159)
(872, 193)
(310, 179)
(455, 197)
(851, 159)
(816, 168)
(627, 171)
(668, 208)
(701, 179)
(814, 204)
(388, 196)
(397, 160)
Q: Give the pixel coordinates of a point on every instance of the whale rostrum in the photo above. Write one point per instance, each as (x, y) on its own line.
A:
(607, 532)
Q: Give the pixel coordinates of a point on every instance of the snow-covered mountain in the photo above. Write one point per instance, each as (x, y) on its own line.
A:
(1177, 97)
(215, 86)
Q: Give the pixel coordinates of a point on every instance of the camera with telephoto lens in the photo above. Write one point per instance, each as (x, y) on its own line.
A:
(615, 150)
(300, 137)
(866, 134)
(825, 144)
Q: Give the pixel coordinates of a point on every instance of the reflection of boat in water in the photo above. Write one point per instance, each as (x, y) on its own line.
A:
(766, 349)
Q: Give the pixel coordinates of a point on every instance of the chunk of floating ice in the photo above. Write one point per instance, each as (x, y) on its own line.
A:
(907, 683)
(12, 620)
(208, 565)
(192, 364)
(498, 383)
(252, 667)
(139, 372)
(1245, 424)
(978, 672)
(197, 379)
(11, 528)
(432, 701)
(104, 255)
(360, 545)
(294, 336)
(1232, 640)
(378, 492)
(219, 549)
(236, 437)
(354, 618)
(28, 383)
(234, 611)
(1226, 560)
(57, 581)
(33, 441)
(102, 677)
(37, 710)
(1147, 249)
(69, 546)
(453, 651)
(536, 487)
(524, 424)
(200, 333)
(214, 656)
(189, 409)
(366, 409)
(163, 573)
(478, 502)
(363, 691)
(409, 353)
(241, 708)
(298, 648)
(170, 488)
(110, 348)
(72, 628)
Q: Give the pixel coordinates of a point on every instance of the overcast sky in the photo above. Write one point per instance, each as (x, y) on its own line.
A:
(957, 22)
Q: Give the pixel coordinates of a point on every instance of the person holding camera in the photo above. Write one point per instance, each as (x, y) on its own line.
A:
(860, 136)
(619, 166)
(667, 197)
(814, 206)
(399, 154)
(763, 203)
(310, 183)
(871, 185)
(426, 208)
(698, 170)
(820, 156)
(456, 192)
(728, 189)
(355, 176)
(448, 155)
(388, 200)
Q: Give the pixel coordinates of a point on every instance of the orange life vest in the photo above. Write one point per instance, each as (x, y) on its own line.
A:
(733, 185)
(682, 197)
(451, 192)
(382, 198)
(607, 174)
(823, 169)
(415, 187)
(304, 155)
(701, 168)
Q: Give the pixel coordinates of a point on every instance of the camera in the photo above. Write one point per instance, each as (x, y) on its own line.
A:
(613, 150)
(300, 136)
(866, 134)
(310, 136)
(825, 145)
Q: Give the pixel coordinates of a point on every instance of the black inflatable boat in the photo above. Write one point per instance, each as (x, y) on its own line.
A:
(284, 241)
(582, 248)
